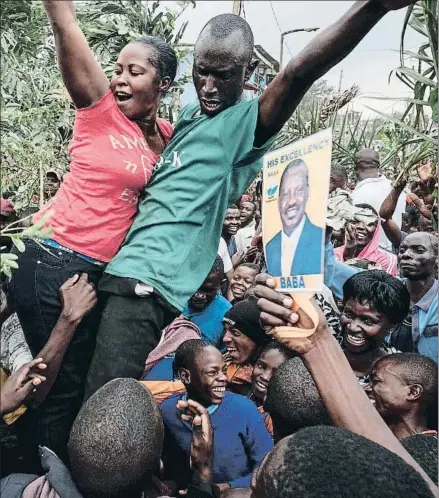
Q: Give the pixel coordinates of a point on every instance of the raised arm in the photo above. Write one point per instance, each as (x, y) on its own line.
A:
(282, 96)
(83, 77)
(387, 210)
(345, 400)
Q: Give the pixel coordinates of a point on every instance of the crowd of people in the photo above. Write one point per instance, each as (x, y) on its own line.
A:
(139, 347)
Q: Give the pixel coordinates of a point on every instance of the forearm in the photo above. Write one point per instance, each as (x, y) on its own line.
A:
(388, 206)
(392, 231)
(423, 209)
(346, 401)
(60, 13)
(53, 353)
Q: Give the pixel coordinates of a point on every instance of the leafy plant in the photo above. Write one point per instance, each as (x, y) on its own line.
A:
(36, 113)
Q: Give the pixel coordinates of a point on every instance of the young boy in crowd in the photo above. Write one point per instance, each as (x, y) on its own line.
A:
(243, 278)
(404, 390)
(271, 358)
(207, 307)
(241, 440)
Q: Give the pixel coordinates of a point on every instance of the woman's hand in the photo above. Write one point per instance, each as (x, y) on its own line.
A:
(351, 242)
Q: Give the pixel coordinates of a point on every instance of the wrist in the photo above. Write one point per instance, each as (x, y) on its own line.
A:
(322, 340)
(202, 473)
(68, 321)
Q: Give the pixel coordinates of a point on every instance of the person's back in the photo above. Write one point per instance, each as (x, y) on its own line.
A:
(372, 188)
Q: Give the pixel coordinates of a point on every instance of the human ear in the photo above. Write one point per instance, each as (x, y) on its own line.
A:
(415, 392)
(185, 376)
(250, 69)
(165, 84)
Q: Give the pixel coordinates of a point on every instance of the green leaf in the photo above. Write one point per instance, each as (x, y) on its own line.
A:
(411, 73)
(18, 243)
(433, 102)
(405, 126)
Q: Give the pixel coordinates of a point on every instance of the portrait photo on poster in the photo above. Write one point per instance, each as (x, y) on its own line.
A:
(295, 194)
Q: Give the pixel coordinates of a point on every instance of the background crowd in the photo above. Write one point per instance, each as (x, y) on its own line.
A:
(196, 394)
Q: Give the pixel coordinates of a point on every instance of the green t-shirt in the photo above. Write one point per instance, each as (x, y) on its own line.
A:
(208, 164)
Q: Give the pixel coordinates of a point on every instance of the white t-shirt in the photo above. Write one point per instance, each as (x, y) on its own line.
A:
(373, 191)
(223, 253)
(244, 236)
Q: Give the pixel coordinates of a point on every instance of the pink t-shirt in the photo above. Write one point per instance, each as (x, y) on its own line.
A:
(111, 163)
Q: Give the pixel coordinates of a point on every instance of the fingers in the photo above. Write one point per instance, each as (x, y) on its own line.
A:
(84, 278)
(275, 315)
(265, 279)
(70, 282)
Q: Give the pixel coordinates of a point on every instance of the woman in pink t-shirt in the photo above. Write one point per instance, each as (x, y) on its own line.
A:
(117, 139)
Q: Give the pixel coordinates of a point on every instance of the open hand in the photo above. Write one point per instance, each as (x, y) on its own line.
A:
(238, 258)
(20, 385)
(78, 297)
(351, 242)
(202, 437)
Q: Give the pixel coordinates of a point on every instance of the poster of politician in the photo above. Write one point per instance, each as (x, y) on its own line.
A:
(295, 193)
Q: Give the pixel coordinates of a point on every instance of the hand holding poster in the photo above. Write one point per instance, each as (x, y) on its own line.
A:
(296, 183)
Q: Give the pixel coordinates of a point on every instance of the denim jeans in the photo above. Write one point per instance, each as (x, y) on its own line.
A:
(34, 291)
(130, 329)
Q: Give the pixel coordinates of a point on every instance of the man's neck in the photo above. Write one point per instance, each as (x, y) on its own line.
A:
(418, 288)
(408, 424)
(289, 231)
(366, 175)
(249, 222)
(226, 236)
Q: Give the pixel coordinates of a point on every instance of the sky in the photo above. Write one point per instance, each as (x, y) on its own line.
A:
(368, 65)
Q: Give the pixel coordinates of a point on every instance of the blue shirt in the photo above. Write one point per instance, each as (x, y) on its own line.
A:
(241, 441)
(210, 320)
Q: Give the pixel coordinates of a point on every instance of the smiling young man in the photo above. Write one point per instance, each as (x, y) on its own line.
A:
(243, 278)
(403, 388)
(241, 440)
(215, 153)
(231, 224)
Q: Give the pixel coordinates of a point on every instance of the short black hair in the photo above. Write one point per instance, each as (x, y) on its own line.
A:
(252, 266)
(293, 400)
(288, 353)
(296, 163)
(367, 159)
(384, 293)
(217, 267)
(416, 369)
(328, 461)
(367, 206)
(423, 448)
(224, 25)
(248, 202)
(340, 172)
(165, 59)
(187, 353)
(116, 440)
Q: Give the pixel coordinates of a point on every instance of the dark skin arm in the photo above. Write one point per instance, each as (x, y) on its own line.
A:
(280, 99)
(387, 210)
(337, 384)
(78, 297)
(83, 77)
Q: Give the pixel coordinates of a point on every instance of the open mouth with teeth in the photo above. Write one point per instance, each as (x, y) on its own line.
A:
(219, 391)
(238, 290)
(357, 340)
(211, 105)
(123, 96)
(232, 351)
(261, 386)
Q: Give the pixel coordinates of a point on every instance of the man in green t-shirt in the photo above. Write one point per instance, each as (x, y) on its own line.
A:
(214, 155)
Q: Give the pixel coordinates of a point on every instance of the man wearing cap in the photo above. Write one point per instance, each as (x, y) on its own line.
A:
(244, 339)
(372, 188)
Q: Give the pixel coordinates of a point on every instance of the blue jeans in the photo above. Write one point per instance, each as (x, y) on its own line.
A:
(34, 292)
